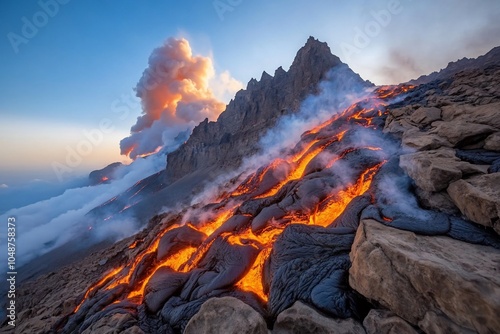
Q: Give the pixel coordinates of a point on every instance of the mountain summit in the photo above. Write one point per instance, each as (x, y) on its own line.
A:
(214, 147)
(237, 131)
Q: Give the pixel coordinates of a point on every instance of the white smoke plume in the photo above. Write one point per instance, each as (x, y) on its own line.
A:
(48, 224)
(176, 96)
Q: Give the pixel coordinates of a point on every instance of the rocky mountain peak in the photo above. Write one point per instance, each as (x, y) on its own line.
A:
(313, 53)
(236, 132)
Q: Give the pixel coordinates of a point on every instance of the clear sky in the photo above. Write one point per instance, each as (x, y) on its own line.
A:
(64, 77)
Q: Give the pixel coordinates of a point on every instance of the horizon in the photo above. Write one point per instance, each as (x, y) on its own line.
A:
(62, 82)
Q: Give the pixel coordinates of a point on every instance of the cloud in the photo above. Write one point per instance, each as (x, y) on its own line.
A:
(3, 186)
(176, 96)
(401, 67)
(48, 224)
(224, 86)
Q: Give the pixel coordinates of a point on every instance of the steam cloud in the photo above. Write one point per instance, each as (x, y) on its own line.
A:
(48, 224)
(176, 96)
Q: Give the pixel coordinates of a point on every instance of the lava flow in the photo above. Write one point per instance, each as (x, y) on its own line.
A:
(225, 245)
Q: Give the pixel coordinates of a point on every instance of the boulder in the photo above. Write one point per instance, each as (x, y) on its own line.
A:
(384, 321)
(226, 315)
(423, 141)
(492, 143)
(417, 277)
(425, 116)
(486, 114)
(478, 198)
(301, 318)
(435, 170)
(461, 132)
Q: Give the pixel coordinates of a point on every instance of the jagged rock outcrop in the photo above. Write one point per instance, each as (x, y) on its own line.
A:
(226, 315)
(454, 126)
(437, 283)
(237, 131)
(301, 319)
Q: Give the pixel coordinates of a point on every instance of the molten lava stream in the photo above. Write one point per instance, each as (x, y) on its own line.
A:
(175, 261)
(186, 259)
(252, 281)
(334, 205)
(301, 161)
(98, 285)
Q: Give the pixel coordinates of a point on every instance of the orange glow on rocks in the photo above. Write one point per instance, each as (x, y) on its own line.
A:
(226, 220)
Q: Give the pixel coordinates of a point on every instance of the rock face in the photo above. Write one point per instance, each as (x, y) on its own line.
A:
(452, 128)
(237, 131)
(478, 198)
(226, 315)
(435, 170)
(422, 278)
(384, 321)
(300, 319)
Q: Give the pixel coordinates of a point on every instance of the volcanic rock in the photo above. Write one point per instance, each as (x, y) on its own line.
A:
(461, 133)
(426, 116)
(439, 201)
(237, 131)
(435, 170)
(420, 277)
(478, 198)
(321, 257)
(226, 315)
(485, 114)
(301, 318)
(422, 141)
(492, 143)
(117, 323)
(104, 174)
(162, 285)
(384, 321)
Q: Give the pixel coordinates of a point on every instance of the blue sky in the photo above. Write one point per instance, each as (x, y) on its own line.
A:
(65, 79)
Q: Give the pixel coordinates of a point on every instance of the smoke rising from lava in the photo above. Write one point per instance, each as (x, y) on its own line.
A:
(176, 95)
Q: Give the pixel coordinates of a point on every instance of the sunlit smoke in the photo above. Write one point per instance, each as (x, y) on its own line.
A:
(176, 96)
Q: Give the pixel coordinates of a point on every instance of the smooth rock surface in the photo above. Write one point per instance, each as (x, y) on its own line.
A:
(226, 315)
(301, 319)
(418, 276)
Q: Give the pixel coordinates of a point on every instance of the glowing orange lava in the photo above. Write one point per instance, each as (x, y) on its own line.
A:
(296, 162)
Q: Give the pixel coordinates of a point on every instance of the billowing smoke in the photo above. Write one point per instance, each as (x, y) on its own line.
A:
(175, 95)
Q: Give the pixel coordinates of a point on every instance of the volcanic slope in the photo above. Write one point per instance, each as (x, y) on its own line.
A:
(283, 233)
